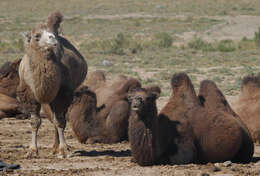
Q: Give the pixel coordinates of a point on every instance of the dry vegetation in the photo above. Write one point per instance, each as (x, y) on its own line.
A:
(149, 40)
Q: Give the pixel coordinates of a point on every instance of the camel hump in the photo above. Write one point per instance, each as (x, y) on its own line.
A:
(179, 79)
(54, 20)
(9, 67)
(210, 92)
(247, 80)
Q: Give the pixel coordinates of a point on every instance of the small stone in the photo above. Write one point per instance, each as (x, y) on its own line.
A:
(217, 164)
(159, 6)
(227, 163)
(204, 174)
(106, 63)
(216, 168)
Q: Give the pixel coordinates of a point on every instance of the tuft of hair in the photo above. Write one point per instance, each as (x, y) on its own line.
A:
(54, 21)
(9, 67)
(251, 79)
(177, 78)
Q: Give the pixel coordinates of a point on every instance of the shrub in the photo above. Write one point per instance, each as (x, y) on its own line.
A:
(164, 40)
(199, 44)
(226, 46)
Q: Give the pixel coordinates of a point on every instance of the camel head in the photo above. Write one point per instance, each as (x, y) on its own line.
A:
(44, 37)
(142, 98)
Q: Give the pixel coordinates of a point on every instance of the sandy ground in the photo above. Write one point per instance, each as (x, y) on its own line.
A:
(95, 159)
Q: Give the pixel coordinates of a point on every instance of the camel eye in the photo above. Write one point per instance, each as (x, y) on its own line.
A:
(37, 37)
(139, 99)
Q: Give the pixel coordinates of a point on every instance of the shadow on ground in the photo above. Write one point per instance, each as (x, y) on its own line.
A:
(94, 153)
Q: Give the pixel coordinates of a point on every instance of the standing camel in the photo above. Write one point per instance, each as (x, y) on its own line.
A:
(51, 69)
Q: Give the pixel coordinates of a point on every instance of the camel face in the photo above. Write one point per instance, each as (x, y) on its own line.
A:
(41, 39)
(140, 99)
(46, 39)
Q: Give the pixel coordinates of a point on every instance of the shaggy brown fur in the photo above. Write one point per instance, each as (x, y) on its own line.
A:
(10, 107)
(50, 71)
(229, 131)
(159, 139)
(106, 122)
(248, 105)
(9, 78)
(185, 131)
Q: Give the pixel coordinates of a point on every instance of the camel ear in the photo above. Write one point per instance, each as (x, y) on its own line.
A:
(26, 36)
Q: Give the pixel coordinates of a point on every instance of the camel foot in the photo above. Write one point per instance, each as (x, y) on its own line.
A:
(63, 150)
(55, 149)
(32, 153)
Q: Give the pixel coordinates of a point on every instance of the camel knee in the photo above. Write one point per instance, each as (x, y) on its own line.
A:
(59, 121)
(35, 121)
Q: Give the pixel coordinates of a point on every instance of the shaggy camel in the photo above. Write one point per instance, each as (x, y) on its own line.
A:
(185, 131)
(50, 71)
(248, 105)
(225, 130)
(104, 123)
(166, 138)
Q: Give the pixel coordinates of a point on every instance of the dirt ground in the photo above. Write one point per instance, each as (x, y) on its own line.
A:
(95, 159)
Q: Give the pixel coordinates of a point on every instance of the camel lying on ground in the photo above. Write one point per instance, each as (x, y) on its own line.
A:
(50, 71)
(248, 105)
(9, 80)
(101, 115)
(186, 130)
(224, 129)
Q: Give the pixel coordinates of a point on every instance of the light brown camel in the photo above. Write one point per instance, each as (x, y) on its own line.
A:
(50, 71)
(186, 130)
(247, 105)
(104, 123)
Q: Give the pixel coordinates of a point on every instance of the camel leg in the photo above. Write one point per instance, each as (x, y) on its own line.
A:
(35, 124)
(56, 141)
(60, 124)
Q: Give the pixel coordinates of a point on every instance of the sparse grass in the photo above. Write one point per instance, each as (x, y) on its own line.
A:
(226, 46)
(257, 37)
(163, 40)
(222, 46)
(142, 34)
